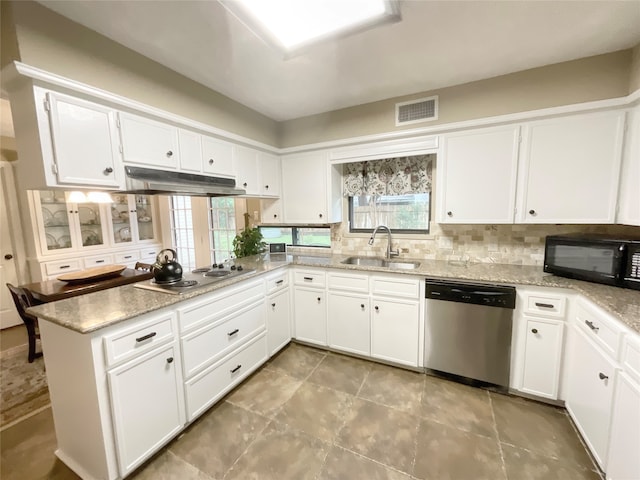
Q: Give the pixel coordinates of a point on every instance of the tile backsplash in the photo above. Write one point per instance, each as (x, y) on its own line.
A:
(507, 244)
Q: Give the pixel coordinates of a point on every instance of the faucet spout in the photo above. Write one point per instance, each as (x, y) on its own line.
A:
(390, 252)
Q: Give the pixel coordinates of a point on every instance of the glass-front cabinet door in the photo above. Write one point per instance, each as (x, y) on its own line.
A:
(55, 218)
(92, 230)
(145, 221)
(121, 213)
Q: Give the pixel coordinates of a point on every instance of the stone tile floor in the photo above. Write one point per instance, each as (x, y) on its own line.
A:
(309, 414)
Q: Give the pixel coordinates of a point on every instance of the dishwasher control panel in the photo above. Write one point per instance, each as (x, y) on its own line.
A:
(475, 293)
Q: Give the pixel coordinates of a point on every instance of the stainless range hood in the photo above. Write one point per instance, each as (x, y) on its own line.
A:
(162, 182)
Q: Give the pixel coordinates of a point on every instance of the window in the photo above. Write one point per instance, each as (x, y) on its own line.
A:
(298, 236)
(182, 231)
(222, 228)
(401, 213)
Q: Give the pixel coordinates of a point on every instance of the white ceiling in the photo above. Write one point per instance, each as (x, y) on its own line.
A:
(437, 44)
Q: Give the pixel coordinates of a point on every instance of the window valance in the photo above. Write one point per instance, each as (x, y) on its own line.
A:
(390, 176)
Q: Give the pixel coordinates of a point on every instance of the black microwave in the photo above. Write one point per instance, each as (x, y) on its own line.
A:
(612, 260)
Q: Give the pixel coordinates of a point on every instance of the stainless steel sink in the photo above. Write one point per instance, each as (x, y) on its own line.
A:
(380, 262)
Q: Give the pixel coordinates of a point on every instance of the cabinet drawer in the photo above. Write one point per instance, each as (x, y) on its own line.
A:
(631, 356)
(396, 286)
(547, 305)
(62, 266)
(205, 388)
(214, 341)
(349, 282)
(128, 343)
(149, 254)
(277, 282)
(599, 327)
(219, 304)
(127, 257)
(97, 261)
(309, 278)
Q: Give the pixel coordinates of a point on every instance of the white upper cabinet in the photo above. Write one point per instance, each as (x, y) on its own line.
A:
(476, 176)
(190, 151)
(148, 142)
(629, 197)
(271, 174)
(311, 189)
(247, 175)
(218, 157)
(569, 169)
(84, 140)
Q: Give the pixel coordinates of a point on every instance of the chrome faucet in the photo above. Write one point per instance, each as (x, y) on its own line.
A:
(390, 253)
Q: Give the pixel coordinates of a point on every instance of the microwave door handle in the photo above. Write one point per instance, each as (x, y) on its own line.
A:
(620, 258)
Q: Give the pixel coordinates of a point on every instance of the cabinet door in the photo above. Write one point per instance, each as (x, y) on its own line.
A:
(122, 213)
(90, 224)
(270, 173)
(147, 142)
(395, 331)
(304, 185)
(348, 323)
(590, 393)
(542, 356)
(54, 220)
(629, 200)
(624, 461)
(247, 176)
(145, 218)
(271, 211)
(570, 169)
(85, 142)
(310, 309)
(478, 175)
(278, 321)
(217, 156)
(147, 403)
(190, 151)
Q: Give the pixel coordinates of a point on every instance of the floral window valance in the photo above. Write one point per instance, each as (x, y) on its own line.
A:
(390, 176)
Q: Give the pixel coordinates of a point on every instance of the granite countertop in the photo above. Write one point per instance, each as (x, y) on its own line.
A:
(87, 313)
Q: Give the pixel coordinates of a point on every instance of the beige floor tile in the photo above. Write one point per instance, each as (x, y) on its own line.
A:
(316, 410)
(167, 466)
(394, 387)
(458, 405)
(265, 392)
(344, 465)
(297, 360)
(448, 453)
(543, 429)
(380, 433)
(28, 450)
(280, 453)
(341, 373)
(525, 465)
(218, 438)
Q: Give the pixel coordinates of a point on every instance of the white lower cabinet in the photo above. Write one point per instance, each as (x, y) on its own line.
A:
(348, 323)
(591, 383)
(278, 321)
(310, 307)
(542, 357)
(147, 405)
(395, 331)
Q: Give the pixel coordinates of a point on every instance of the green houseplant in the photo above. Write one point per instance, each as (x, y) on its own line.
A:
(248, 242)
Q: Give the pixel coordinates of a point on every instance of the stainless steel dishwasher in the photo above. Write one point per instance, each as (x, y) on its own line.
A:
(468, 332)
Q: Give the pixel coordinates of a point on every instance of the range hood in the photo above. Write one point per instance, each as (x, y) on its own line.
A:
(162, 182)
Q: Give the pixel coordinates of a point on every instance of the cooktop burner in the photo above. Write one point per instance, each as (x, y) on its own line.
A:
(178, 284)
(197, 278)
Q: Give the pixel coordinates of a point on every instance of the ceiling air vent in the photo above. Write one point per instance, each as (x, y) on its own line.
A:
(416, 111)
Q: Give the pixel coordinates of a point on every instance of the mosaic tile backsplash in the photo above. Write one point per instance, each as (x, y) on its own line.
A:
(506, 244)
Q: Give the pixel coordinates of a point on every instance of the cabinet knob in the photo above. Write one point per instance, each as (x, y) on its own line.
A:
(170, 360)
(362, 306)
(449, 213)
(8, 256)
(377, 308)
(534, 330)
(169, 154)
(273, 305)
(266, 187)
(320, 215)
(244, 184)
(602, 376)
(211, 161)
(275, 215)
(532, 212)
(319, 299)
(107, 170)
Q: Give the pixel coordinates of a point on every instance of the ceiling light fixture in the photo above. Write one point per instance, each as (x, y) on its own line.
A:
(292, 25)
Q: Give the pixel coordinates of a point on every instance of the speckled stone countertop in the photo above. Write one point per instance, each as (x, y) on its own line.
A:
(87, 313)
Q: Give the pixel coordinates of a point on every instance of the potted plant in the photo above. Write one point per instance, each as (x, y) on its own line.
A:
(248, 242)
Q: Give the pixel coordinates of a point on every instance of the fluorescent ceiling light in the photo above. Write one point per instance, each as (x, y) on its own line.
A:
(292, 24)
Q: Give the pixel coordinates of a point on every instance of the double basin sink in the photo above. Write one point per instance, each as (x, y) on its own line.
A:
(380, 262)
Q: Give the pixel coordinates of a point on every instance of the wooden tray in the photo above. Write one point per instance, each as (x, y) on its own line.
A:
(92, 274)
